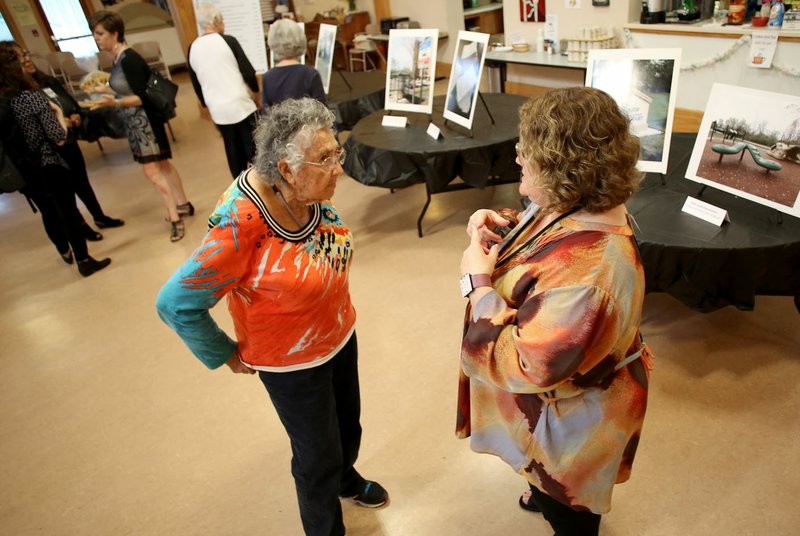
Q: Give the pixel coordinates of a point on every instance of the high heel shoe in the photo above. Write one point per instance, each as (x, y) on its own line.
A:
(88, 266)
(104, 222)
(90, 234)
(177, 231)
(67, 257)
(186, 209)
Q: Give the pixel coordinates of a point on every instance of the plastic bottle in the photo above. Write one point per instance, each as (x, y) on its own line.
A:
(776, 15)
(540, 41)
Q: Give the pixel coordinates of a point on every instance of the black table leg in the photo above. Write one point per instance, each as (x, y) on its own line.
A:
(424, 209)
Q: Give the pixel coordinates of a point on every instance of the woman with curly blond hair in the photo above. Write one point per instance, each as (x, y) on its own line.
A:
(554, 372)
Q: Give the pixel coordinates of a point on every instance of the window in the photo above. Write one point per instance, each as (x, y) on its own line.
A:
(70, 27)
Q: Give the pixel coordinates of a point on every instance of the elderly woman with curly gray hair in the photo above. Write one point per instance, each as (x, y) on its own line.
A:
(280, 252)
(289, 79)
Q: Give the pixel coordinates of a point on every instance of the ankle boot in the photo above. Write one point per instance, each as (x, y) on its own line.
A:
(104, 222)
(90, 234)
(88, 266)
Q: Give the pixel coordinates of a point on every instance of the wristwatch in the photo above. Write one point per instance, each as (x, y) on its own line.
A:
(470, 282)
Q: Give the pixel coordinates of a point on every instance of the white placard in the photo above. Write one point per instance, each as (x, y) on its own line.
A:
(434, 132)
(243, 21)
(705, 211)
(551, 28)
(762, 49)
(394, 121)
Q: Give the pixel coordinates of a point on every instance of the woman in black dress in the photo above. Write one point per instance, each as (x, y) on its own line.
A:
(146, 134)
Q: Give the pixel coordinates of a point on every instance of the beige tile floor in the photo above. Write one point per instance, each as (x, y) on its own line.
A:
(108, 426)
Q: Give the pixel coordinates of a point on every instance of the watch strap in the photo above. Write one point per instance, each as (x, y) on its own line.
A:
(480, 280)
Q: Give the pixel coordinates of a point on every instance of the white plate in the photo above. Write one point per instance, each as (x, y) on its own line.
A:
(501, 49)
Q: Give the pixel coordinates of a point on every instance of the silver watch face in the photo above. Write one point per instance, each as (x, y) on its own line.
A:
(466, 285)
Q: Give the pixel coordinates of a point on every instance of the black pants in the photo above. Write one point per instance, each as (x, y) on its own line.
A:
(320, 409)
(50, 189)
(239, 146)
(71, 153)
(564, 520)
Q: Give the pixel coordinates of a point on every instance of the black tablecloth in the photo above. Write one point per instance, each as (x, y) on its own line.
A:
(351, 104)
(704, 266)
(398, 157)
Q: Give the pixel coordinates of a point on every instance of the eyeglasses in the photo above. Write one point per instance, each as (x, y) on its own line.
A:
(330, 162)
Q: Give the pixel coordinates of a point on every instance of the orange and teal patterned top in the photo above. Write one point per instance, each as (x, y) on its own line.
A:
(543, 384)
(288, 291)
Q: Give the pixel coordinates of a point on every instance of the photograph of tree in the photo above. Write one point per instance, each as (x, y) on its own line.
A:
(749, 145)
(644, 84)
(411, 67)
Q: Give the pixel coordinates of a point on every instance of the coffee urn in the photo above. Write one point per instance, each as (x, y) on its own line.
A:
(653, 12)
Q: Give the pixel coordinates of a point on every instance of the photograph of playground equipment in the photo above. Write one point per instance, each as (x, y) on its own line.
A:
(324, 59)
(410, 71)
(749, 145)
(465, 78)
(644, 83)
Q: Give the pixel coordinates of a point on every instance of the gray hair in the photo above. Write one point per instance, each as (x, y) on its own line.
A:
(206, 14)
(285, 132)
(286, 39)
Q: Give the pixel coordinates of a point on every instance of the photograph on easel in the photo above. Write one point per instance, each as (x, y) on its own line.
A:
(411, 67)
(465, 78)
(324, 59)
(644, 83)
(749, 145)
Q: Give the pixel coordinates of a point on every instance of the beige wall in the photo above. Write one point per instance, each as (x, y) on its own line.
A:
(309, 8)
(446, 15)
(34, 36)
(570, 21)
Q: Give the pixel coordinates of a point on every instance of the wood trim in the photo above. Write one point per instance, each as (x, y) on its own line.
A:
(88, 8)
(12, 25)
(382, 11)
(44, 25)
(786, 38)
(182, 13)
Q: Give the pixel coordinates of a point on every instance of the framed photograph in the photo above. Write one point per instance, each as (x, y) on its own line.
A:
(749, 145)
(324, 59)
(465, 77)
(644, 82)
(532, 10)
(302, 58)
(410, 70)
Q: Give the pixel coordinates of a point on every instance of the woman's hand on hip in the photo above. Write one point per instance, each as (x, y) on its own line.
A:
(481, 223)
(476, 258)
(237, 366)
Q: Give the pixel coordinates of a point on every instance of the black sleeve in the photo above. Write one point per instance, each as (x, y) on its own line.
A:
(195, 82)
(137, 73)
(245, 67)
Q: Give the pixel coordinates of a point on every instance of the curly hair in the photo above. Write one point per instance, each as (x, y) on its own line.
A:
(578, 144)
(13, 79)
(285, 131)
(111, 21)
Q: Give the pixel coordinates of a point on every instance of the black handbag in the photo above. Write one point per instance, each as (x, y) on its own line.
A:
(161, 94)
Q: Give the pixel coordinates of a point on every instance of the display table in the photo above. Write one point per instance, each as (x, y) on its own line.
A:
(500, 60)
(393, 157)
(704, 266)
(365, 95)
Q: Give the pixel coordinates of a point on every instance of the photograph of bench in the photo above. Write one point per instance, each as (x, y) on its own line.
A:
(740, 147)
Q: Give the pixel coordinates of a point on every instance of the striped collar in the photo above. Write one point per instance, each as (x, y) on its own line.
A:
(291, 236)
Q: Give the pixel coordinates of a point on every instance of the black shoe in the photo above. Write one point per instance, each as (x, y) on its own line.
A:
(106, 222)
(530, 506)
(90, 234)
(371, 495)
(177, 231)
(186, 209)
(88, 266)
(67, 257)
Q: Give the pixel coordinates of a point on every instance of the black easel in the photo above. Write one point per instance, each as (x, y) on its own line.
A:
(345, 79)
(485, 106)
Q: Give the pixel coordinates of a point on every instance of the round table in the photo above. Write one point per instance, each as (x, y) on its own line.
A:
(394, 157)
(704, 266)
(364, 95)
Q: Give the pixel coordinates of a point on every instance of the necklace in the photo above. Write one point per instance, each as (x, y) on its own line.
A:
(280, 197)
(550, 224)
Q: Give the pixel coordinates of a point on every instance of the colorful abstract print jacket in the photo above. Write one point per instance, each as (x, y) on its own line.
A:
(288, 291)
(538, 384)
